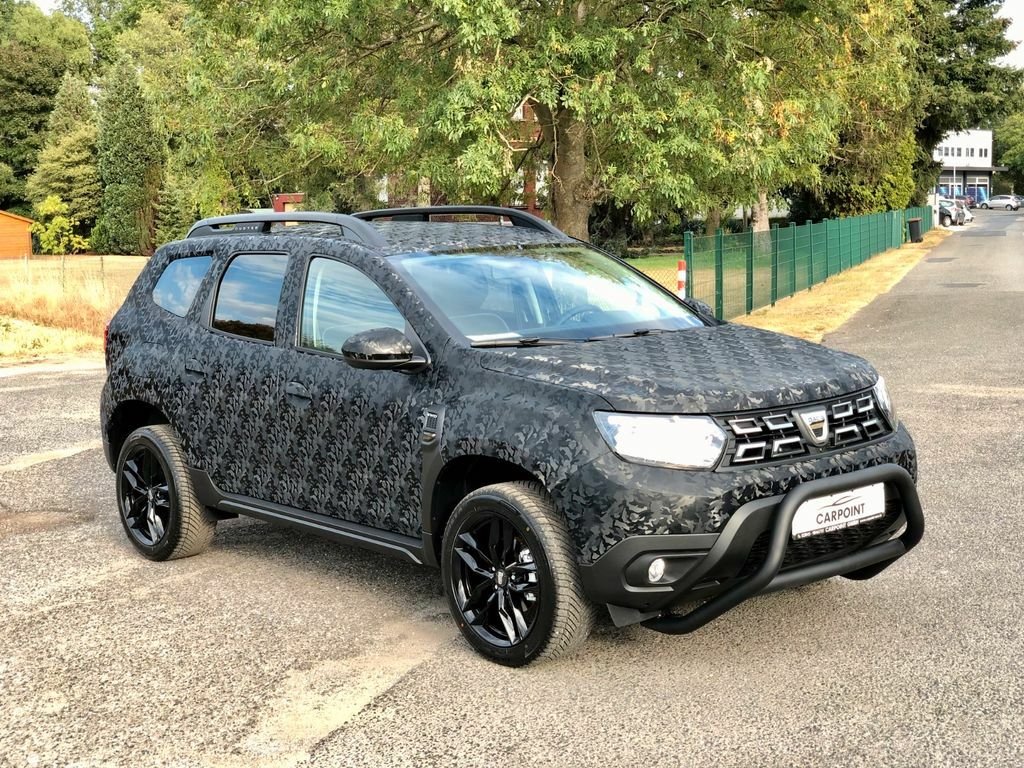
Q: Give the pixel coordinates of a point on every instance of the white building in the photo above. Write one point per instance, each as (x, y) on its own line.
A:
(967, 164)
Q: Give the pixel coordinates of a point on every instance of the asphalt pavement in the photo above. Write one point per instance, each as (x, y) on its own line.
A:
(280, 649)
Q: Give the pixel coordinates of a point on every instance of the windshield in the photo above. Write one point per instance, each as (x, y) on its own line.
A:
(543, 292)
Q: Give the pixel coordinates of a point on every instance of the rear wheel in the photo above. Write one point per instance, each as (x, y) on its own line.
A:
(159, 509)
(510, 575)
(946, 220)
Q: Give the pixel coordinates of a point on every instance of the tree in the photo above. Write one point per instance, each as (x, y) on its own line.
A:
(961, 85)
(55, 228)
(67, 170)
(1009, 148)
(72, 107)
(175, 212)
(36, 50)
(657, 104)
(129, 160)
(66, 166)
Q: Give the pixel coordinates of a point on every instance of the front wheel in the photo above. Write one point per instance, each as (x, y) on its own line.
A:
(510, 576)
(946, 221)
(985, 206)
(1009, 207)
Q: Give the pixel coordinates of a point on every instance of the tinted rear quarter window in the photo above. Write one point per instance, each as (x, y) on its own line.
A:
(179, 283)
(249, 294)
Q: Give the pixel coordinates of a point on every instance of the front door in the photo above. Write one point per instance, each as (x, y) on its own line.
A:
(354, 434)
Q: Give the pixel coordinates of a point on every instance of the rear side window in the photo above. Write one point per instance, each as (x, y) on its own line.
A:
(341, 301)
(249, 294)
(179, 284)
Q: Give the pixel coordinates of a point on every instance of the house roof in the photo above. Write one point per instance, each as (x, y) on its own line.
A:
(15, 216)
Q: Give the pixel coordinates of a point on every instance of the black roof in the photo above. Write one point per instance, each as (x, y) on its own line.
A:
(395, 231)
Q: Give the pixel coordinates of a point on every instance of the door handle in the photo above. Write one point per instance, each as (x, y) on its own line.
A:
(294, 389)
(192, 365)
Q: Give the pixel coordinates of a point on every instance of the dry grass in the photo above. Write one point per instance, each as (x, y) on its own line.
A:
(813, 314)
(52, 306)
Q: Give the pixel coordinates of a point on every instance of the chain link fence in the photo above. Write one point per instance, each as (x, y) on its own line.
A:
(736, 273)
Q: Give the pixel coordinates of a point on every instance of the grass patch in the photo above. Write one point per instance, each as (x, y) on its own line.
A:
(54, 306)
(815, 313)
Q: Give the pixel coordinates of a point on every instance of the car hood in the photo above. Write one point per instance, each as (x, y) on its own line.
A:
(705, 370)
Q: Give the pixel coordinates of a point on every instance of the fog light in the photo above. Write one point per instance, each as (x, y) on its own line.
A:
(656, 570)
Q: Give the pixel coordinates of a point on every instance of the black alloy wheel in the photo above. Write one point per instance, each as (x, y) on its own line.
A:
(145, 496)
(495, 580)
(511, 576)
(158, 506)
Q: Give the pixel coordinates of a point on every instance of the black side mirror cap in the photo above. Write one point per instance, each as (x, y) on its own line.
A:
(703, 311)
(381, 349)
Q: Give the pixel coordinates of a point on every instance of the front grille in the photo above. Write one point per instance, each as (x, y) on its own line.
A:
(780, 434)
(824, 545)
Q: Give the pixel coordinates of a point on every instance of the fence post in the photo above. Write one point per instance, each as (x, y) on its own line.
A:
(792, 271)
(775, 263)
(750, 271)
(719, 276)
(828, 251)
(839, 241)
(688, 257)
(810, 254)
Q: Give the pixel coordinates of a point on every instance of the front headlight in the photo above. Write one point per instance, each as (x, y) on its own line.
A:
(684, 442)
(885, 402)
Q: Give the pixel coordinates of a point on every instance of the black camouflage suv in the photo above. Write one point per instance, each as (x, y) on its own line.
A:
(545, 423)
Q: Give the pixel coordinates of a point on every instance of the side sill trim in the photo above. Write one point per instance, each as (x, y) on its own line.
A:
(405, 547)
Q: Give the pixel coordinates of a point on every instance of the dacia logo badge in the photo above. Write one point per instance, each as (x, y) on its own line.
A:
(813, 423)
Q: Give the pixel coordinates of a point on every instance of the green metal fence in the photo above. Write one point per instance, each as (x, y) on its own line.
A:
(737, 273)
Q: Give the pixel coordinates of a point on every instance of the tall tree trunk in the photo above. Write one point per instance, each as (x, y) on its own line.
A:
(712, 221)
(761, 222)
(570, 203)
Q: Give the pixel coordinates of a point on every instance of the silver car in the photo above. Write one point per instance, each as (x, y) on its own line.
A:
(1009, 202)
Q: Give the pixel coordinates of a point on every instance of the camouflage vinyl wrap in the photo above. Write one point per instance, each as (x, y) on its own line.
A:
(352, 450)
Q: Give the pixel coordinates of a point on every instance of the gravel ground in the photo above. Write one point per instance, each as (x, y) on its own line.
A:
(276, 648)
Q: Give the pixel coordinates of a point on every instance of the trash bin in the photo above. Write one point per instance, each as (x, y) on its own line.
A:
(914, 225)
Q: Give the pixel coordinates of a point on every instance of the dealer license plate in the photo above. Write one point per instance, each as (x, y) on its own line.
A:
(838, 511)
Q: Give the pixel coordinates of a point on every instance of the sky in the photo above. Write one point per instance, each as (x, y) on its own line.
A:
(1012, 10)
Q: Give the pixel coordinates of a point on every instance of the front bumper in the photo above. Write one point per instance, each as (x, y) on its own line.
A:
(753, 554)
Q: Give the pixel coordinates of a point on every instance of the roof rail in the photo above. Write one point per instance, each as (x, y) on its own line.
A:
(244, 223)
(518, 218)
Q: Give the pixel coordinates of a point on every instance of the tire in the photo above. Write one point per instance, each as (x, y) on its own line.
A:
(946, 221)
(537, 557)
(165, 521)
(984, 206)
(1009, 207)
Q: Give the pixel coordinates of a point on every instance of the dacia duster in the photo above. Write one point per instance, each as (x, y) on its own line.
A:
(547, 424)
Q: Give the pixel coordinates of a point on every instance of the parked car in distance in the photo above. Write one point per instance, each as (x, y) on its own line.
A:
(951, 214)
(967, 200)
(1009, 202)
(550, 427)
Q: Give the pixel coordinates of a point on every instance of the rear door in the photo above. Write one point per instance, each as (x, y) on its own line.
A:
(236, 373)
(353, 434)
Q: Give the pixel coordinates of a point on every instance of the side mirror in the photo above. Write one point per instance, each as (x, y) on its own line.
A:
(703, 311)
(381, 349)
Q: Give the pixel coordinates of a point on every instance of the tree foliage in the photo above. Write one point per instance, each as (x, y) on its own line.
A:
(36, 50)
(129, 162)
(66, 166)
(55, 228)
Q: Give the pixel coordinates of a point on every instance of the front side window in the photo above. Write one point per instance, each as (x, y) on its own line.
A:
(552, 291)
(340, 301)
(249, 294)
(179, 284)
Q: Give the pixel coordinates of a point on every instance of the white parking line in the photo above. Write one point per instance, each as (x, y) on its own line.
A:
(31, 459)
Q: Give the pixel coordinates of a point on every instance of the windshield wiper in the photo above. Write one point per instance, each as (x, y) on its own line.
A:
(628, 334)
(528, 341)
